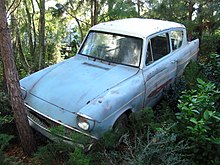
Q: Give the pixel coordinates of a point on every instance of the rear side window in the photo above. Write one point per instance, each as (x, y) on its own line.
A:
(158, 47)
(176, 39)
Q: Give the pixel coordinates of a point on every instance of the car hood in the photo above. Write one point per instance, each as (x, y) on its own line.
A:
(79, 80)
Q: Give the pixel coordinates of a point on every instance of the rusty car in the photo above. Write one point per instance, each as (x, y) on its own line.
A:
(121, 67)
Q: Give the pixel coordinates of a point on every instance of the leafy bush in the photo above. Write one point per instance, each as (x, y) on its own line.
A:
(78, 157)
(61, 152)
(212, 46)
(211, 68)
(146, 141)
(199, 121)
(190, 75)
(161, 147)
(4, 139)
(53, 153)
(5, 107)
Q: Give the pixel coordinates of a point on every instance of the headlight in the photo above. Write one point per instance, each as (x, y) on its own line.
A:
(85, 122)
(23, 92)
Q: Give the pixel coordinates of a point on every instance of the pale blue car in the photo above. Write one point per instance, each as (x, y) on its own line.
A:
(121, 67)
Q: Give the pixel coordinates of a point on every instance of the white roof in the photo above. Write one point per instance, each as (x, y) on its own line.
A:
(137, 27)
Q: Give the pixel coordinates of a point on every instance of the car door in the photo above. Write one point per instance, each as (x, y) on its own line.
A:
(160, 69)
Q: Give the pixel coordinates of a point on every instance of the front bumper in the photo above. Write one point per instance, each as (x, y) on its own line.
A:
(57, 131)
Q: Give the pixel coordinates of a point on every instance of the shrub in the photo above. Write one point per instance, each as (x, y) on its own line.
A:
(53, 153)
(211, 68)
(199, 121)
(78, 157)
(212, 46)
(149, 148)
(146, 141)
(4, 139)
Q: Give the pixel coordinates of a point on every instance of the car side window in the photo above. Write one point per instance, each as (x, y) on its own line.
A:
(149, 58)
(176, 39)
(158, 47)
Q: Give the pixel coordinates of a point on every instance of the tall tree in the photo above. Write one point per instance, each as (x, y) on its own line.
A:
(42, 47)
(31, 33)
(94, 12)
(12, 80)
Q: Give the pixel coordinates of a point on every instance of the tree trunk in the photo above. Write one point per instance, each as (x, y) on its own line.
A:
(42, 49)
(92, 14)
(95, 13)
(80, 29)
(29, 28)
(12, 80)
(139, 8)
(24, 61)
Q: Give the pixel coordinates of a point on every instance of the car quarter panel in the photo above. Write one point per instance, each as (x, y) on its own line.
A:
(188, 52)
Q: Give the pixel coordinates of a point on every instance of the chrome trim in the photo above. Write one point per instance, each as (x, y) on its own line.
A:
(23, 91)
(85, 116)
(56, 137)
(72, 128)
(23, 88)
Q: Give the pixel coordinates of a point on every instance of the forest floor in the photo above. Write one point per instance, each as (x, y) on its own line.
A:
(15, 152)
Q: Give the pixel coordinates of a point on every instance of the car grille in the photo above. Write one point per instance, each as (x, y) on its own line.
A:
(57, 129)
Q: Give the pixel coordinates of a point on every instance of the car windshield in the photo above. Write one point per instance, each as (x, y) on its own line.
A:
(113, 48)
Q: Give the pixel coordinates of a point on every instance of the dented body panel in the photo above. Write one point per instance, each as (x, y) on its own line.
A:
(116, 71)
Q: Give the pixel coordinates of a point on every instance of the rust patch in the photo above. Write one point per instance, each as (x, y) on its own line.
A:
(156, 91)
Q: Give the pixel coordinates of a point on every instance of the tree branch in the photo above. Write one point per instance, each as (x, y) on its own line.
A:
(14, 7)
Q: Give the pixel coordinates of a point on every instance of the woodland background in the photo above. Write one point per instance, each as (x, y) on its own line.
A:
(184, 128)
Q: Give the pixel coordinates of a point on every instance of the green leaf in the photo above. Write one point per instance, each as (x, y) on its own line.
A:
(189, 127)
(200, 81)
(216, 117)
(193, 120)
(206, 114)
(196, 111)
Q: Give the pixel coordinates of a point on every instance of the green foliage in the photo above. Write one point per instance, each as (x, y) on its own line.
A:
(78, 157)
(211, 68)
(190, 75)
(5, 119)
(4, 139)
(59, 152)
(53, 153)
(199, 120)
(212, 46)
(76, 137)
(158, 148)
(146, 141)
(168, 10)
(5, 107)
(110, 139)
(141, 120)
(115, 8)
(5, 160)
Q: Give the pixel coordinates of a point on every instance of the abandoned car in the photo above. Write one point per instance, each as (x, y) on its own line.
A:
(121, 67)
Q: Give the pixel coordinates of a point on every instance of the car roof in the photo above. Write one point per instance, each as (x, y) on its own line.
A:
(137, 27)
